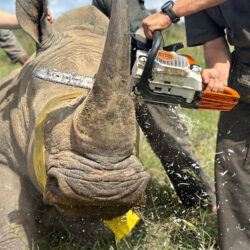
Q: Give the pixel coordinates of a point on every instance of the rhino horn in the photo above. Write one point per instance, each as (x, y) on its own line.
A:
(115, 61)
(106, 118)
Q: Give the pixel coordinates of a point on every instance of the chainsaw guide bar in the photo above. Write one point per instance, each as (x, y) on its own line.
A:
(65, 78)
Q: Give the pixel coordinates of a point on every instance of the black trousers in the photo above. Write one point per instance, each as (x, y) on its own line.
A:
(168, 136)
(232, 167)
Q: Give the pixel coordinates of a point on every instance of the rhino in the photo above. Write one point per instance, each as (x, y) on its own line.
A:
(68, 154)
(86, 139)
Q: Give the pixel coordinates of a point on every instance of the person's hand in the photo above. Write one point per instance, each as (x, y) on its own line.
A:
(49, 17)
(158, 21)
(23, 59)
(213, 80)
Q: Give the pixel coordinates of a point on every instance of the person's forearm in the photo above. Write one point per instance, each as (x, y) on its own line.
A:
(217, 55)
(187, 7)
(218, 61)
(8, 21)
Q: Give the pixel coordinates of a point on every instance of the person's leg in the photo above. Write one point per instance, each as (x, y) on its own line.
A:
(137, 11)
(232, 175)
(12, 47)
(169, 139)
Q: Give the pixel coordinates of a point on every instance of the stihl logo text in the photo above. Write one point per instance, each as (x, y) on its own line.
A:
(164, 55)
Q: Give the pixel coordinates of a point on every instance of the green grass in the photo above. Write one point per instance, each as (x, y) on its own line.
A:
(165, 224)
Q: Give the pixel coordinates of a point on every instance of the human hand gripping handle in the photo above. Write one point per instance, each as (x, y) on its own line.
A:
(158, 21)
(213, 80)
(161, 20)
(216, 94)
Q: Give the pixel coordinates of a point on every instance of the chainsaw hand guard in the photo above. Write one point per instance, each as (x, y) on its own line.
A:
(219, 101)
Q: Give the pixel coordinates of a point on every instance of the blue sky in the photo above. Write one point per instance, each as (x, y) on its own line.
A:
(58, 7)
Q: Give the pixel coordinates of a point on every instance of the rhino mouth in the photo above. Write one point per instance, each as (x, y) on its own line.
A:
(106, 213)
(80, 187)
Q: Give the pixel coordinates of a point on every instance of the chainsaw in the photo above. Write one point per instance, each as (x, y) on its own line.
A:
(162, 76)
(159, 76)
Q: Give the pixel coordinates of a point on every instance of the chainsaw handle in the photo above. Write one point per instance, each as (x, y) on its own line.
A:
(231, 92)
(150, 59)
(226, 92)
(219, 101)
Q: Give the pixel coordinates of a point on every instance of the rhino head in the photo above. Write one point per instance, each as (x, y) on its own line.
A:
(91, 170)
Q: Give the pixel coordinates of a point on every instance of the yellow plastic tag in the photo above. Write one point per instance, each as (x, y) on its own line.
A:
(122, 226)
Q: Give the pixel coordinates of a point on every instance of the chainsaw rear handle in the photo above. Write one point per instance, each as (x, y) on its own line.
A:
(231, 92)
(229, 95)
(157, 42)
(219, 101)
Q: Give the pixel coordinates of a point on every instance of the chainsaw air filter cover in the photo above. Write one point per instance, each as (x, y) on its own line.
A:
(172, 74)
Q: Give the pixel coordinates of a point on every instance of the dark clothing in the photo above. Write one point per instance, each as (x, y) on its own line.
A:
(232, 173)
(232, 163)
(137, 11)
(232, 16)
(11, 46)
(168, 136)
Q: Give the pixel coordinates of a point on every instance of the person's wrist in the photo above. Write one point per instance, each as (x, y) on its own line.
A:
(166, 21)
(169, 9)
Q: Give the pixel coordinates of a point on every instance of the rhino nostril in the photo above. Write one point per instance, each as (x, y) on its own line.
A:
(52, 184)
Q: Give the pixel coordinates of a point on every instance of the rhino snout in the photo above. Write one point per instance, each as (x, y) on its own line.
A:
(80, 187)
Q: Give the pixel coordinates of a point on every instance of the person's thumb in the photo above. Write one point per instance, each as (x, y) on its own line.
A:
(205, 76)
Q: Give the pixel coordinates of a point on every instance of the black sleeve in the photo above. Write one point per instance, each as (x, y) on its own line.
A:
(201, 28)
(104, 6)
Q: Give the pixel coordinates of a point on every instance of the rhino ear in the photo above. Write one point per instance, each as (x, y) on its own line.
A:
(32, 17)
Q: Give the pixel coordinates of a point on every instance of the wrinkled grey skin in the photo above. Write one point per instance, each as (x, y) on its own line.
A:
(91, 169)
